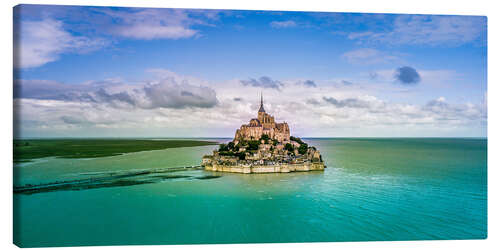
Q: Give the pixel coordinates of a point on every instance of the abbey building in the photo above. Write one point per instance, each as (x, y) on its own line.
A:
(264, 124)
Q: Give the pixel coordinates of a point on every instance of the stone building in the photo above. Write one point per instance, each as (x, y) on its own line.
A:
(263, 124)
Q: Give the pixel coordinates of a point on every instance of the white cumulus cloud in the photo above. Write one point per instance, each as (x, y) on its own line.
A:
(41, 42)
(157, 23)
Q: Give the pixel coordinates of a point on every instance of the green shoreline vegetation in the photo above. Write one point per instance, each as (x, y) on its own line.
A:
(252, 146)
(27, 149)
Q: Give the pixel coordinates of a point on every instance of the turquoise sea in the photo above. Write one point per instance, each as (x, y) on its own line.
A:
(373, 189)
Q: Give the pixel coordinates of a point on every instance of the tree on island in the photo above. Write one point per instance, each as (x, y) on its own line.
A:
(240, 155)
(253, 145)
(289, 147)
(223, 147)
(303, 146)
(265, 138)
(303, 149)
(296, 139)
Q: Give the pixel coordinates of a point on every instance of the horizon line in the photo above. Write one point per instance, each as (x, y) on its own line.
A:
(222, 137)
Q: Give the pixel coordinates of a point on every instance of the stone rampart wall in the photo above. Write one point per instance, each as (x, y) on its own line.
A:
(259, 169)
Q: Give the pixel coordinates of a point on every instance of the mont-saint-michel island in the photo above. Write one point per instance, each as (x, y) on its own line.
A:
(209, 126)
(264, 146)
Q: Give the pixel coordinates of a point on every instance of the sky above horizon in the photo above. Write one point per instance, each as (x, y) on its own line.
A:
(102, 71)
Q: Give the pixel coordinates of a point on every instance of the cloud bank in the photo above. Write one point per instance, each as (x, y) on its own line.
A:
(175, 105)
(164, 93)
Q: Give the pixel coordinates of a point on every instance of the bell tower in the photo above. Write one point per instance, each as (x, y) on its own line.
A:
(262, 112)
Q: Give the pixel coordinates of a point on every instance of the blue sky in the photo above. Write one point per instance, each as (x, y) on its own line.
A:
(97, 71)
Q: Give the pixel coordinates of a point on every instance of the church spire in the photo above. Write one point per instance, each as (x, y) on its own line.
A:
(261, 109)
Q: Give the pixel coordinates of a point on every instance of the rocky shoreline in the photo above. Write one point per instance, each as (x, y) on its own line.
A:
(261, 169)
(264, 156)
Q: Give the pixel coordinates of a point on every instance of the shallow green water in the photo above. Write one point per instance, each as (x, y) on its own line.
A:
(373, 189)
